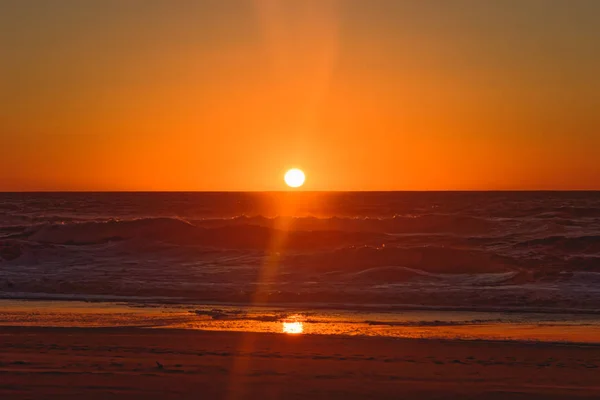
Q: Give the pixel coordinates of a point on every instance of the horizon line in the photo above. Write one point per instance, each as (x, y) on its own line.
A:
(302, 191)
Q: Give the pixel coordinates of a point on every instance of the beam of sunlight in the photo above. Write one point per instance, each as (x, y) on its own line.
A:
(303, 71)
(303, 40)
(265, 284)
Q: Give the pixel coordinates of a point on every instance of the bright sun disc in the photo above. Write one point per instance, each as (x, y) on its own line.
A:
(294, 178)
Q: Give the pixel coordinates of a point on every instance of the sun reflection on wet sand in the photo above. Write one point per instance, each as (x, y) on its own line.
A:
(293, 325)
(407, 324)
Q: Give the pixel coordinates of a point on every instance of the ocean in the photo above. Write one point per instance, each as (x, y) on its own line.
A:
(533, 252)
(445, 249)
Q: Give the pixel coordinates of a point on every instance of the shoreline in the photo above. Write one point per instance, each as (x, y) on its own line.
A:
(141, 301)
(407, 324)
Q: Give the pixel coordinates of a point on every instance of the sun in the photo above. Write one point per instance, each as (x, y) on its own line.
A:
(294, 178)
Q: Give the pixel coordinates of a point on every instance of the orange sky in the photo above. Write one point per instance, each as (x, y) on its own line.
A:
(362, 95)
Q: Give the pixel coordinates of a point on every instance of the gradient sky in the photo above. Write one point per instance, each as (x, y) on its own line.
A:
(361, 94)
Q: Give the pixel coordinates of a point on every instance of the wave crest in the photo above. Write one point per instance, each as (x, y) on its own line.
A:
(100, 232)
(431, 259)
(181, 232)
(589, 244)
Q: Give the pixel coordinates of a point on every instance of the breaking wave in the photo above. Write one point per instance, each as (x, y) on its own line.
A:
(178, 231)
(569, 244)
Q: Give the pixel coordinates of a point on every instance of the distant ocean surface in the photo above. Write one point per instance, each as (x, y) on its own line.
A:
(380, 250)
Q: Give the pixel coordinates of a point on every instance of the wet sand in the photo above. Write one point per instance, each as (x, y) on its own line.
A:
(99, 363)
